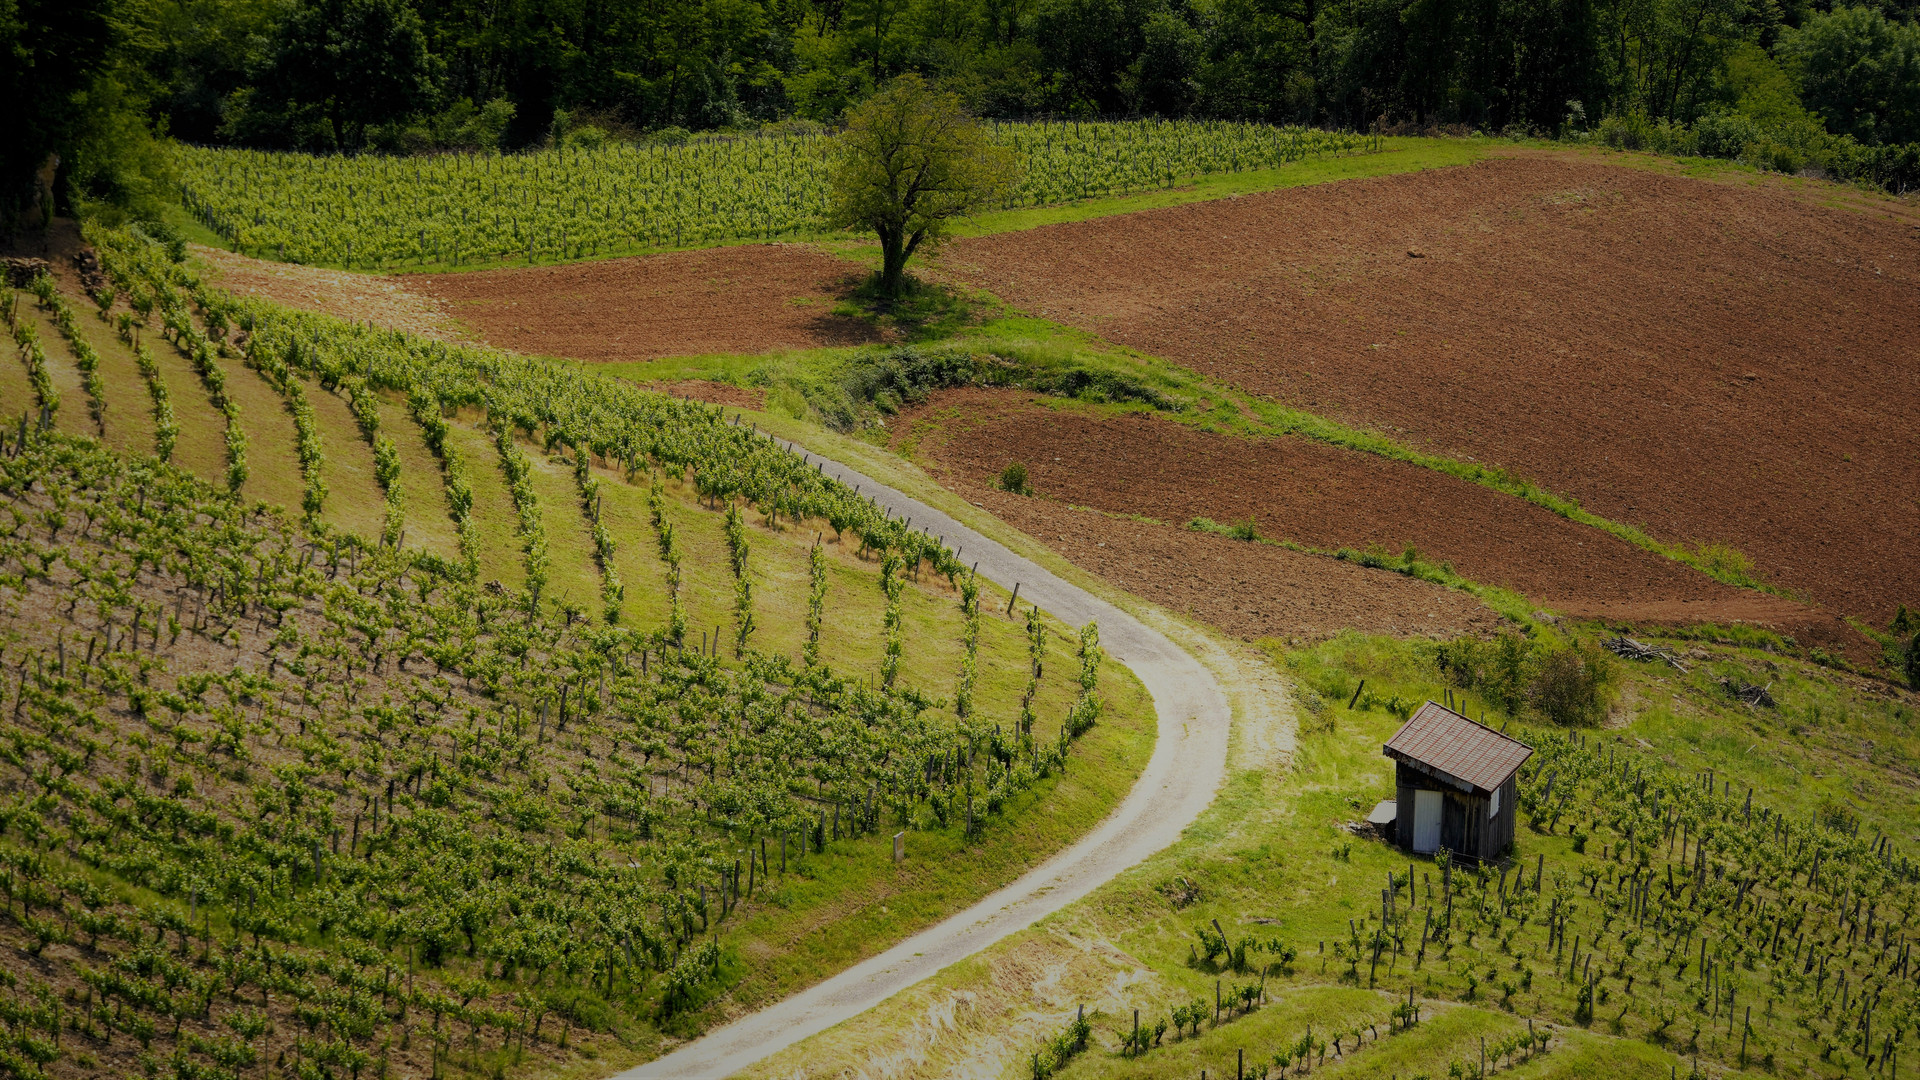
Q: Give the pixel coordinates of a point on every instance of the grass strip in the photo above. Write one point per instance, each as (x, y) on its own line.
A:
(857, 390)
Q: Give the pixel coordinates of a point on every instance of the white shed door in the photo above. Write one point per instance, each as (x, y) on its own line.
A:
(1426, 822)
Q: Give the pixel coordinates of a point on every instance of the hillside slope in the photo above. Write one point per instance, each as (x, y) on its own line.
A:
(1721, 364)
(571, 796)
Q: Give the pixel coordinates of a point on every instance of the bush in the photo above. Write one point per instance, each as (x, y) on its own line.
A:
(1913, 662)
(1013, 479)
(1636, 131)
(1572, 687)
(1497, 669)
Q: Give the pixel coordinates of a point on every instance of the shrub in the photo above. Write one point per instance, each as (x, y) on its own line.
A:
(1913, 662)
(1572, 687)
(1723, 561)
(1497, 669)
(1013, 478)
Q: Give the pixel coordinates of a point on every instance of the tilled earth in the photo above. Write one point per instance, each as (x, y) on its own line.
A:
(1115, 492)
(752, 298)
(1714, 362)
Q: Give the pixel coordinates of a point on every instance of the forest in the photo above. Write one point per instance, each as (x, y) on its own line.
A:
(104, 83)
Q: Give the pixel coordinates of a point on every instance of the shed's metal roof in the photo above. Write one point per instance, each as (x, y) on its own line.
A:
(1440, 740)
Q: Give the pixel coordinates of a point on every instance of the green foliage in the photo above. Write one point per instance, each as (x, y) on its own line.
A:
(46, 396)
(368, 210)
(1013, 479)
(333, 69)
(1061, 1048)
(909, 162)
(1788, 143)
(1571, 686)
(70, 84)
(1248, 530)
(1859, 71)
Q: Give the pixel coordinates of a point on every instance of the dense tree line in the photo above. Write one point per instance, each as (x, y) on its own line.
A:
(97, 76)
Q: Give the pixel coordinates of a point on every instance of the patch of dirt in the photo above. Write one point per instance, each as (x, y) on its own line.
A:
(747, 299)
(715, 393)
(1712, 361)
(1313, 494)
(365, 298)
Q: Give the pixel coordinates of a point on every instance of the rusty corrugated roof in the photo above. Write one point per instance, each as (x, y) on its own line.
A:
(1444, 741)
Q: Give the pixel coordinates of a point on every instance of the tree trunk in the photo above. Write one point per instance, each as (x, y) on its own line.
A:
(893, 263)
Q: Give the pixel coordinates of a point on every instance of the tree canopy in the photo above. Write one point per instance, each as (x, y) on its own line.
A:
(912, 160)
(409, 75)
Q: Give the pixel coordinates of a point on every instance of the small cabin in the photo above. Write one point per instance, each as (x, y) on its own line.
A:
(1455, 784)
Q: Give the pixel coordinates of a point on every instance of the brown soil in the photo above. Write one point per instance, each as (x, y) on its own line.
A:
(749, 299)
(1249, 590)
(1310, 493)
(717, 393)
(1714, 362)
(367, 298)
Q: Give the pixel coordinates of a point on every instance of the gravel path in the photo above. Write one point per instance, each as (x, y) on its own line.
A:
(1187, 766)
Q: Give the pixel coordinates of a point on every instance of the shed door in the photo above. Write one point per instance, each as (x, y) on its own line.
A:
(1426, 821)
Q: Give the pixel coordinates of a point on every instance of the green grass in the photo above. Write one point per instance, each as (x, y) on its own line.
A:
(201, 447)
(573, 577)
(355, 502)
(74, 417)
(1011, 350)
(129, 409)
(16, 390)
(422, 490)
(273, 465)
(1270, 859)
(1402, 155)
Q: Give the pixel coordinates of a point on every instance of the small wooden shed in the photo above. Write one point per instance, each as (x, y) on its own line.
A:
(1455, 784)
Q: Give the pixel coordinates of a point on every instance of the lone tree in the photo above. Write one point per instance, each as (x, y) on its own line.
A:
(912, 160)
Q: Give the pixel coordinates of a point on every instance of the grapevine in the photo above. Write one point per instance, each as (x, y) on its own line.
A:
(387, 212)
(83, 352)
(612, 593)
(46, 397)
(533, 533)
(970, 645)
(736, 530)
(816, 603)
(894, 588)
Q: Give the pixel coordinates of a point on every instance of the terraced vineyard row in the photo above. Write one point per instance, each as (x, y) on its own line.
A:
(384, 212)
(278, 789)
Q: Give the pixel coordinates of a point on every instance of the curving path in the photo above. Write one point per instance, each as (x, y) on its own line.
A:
(1188, 763)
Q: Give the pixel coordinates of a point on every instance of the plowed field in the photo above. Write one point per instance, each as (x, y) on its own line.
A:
(1718, 363)
(734, 299)
(1320, 496)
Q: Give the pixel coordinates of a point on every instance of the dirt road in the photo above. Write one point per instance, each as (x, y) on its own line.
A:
(1187, 766)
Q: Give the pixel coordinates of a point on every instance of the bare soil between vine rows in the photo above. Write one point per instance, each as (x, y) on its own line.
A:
(1115, 491)
(746, 299)
(1716, 362)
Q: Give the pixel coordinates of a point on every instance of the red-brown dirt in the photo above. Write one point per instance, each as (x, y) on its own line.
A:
(734, 299)
(1307, 492)
(1716, 363)
(1249, 590)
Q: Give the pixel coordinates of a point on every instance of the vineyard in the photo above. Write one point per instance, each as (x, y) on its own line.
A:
(284, 799)
(1656, 919)
(1676, 909)
(390, 213)
(1684, 915)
